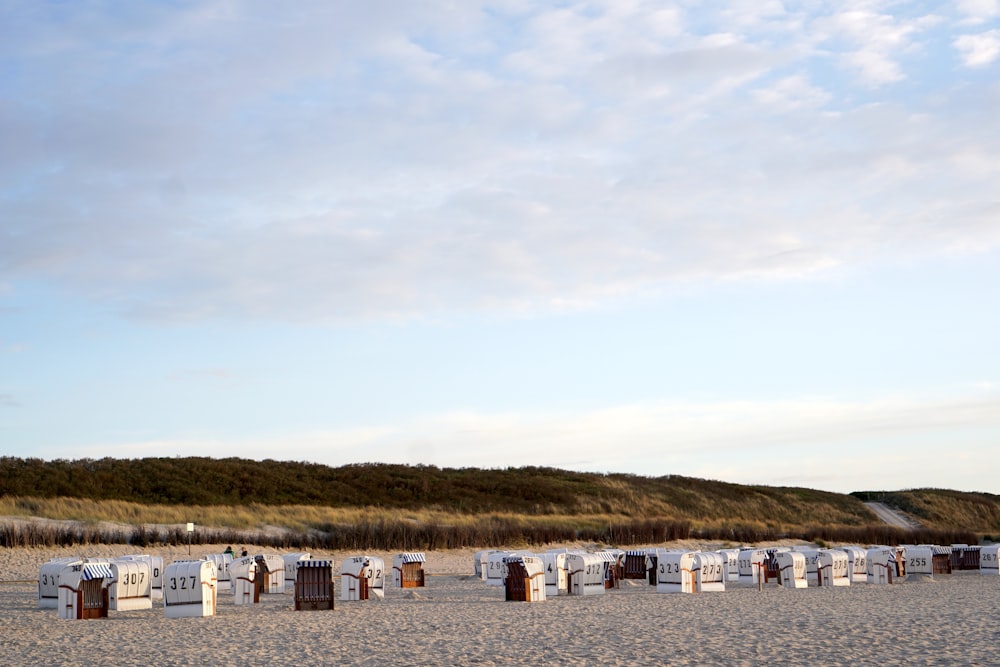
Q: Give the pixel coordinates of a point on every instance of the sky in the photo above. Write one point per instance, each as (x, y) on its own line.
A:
(751, 241)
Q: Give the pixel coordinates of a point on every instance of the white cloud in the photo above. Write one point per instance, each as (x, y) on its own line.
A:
(878, 41)
(979, 11)
(799, 442)
(340, 163)
(979, 50)
(791, 94)
(875, 66)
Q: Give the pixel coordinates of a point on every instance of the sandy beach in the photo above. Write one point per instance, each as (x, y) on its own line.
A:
(458, 620)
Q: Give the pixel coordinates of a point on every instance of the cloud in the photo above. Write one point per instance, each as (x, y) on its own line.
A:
(979, 50)
(825, 442)
(979, 11)
(8, 401)
(331, 164)
(876, 41)
(792, 93)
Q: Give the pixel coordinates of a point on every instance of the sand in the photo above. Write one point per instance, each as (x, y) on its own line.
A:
(458, 620)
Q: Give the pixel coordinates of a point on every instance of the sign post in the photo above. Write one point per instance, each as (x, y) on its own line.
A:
(190, 528)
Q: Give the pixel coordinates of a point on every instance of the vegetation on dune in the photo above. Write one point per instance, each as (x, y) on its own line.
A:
(423, 507)
(944, 509)
(528, 490)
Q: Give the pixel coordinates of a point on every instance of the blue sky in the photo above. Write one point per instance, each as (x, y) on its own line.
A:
(758, 242)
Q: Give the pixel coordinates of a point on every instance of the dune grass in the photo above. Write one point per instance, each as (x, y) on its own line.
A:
(81, 522)
(416, 506)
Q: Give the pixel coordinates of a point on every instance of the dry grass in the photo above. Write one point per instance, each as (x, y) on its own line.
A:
(943, 509)
(298, 518)
(298, 526)
(420, 505)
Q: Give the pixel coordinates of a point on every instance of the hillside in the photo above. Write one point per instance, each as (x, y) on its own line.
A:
(243, 494)
(941, 508)
(533, 491)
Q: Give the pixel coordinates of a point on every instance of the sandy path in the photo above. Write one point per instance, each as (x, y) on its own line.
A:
(891, 517)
